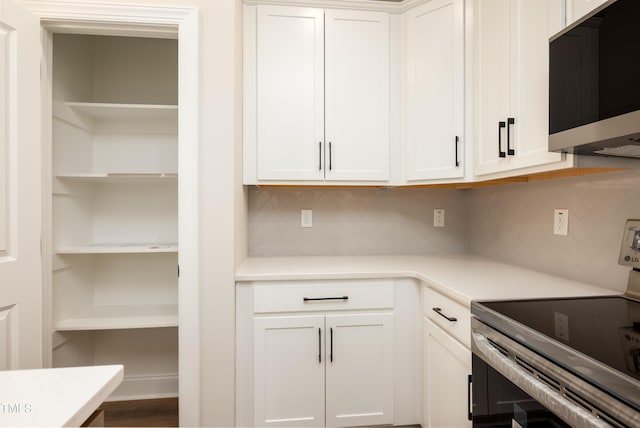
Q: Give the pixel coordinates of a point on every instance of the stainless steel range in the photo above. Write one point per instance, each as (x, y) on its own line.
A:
(560, 362)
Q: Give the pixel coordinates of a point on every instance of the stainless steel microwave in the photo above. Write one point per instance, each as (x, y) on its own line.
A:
(594, 83)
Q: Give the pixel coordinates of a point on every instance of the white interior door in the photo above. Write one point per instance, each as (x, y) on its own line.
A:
(20, 189)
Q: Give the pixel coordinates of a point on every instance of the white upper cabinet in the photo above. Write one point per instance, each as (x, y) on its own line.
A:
(290, 93)
(576, 9)
(357, 95)
(316, 104)
(435, 90)
(511, 86)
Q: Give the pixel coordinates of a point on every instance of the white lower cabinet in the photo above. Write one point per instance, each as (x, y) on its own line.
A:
(332, 353)
(359, 369)
(446, 362)
(447, 367)
(323, 370)
(289, 371)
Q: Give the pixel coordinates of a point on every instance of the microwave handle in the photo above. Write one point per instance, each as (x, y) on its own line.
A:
(571, 413)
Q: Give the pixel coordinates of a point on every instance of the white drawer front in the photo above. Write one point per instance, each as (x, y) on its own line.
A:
(300, 296)
(438, 307)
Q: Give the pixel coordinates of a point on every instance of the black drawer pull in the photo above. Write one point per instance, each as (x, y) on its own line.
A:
(469, 403)
(313, 299)
(331, 354)
(439, 312)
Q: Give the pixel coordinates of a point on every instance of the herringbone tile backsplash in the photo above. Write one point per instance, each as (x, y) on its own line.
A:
(511, 223)
(514, 223)
(356, 221)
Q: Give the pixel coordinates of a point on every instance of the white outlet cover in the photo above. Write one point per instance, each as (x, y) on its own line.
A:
(306, 218)
(561, 222)
(438, 218)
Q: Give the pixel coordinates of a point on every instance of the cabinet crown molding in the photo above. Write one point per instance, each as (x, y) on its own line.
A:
(378, 5)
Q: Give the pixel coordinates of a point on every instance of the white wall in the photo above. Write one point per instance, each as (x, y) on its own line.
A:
(222, 199)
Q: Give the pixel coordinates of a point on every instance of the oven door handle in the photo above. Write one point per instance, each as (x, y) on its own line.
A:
(571, 413)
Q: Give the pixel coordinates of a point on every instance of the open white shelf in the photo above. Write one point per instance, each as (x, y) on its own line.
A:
(121, 317)
(114, 111)
(114, 208)
(119, 177)
(160, 247)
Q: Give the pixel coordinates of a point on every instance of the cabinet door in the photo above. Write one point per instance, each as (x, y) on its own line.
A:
(290, 93)
(576, 9)
(435, 90)
(492, 51)
(512, 78)
(357, 95)
(359, 373)
(447, 367)
(530, 84)
(288, 371)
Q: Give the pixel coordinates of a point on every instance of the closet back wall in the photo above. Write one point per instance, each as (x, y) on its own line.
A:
(356, 221)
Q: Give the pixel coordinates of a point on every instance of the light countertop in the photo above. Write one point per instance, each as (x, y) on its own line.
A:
(461, 277)
(55, 397)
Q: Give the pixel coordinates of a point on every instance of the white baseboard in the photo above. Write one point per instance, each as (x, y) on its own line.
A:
(140, 387)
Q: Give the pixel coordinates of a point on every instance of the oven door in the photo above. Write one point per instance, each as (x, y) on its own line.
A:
(515, 387)
(497, 402)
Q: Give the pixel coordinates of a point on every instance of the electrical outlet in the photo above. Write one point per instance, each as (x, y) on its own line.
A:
(561, 222)
(306, 218)
(438, 218)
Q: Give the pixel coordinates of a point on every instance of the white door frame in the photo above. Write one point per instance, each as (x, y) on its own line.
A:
(144, 21)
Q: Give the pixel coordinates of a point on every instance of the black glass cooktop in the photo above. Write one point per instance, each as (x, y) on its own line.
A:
(606, 329)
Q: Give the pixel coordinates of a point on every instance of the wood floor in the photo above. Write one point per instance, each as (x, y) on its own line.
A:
(161, 412)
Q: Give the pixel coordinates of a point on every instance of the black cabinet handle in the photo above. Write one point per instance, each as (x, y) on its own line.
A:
(469, 404)
(510, 121)
(313, 299)
(330, 160)
(457, 139)
(319, 155)
(319, 345)
(331, 351)
(500, 152)
(439, 312)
